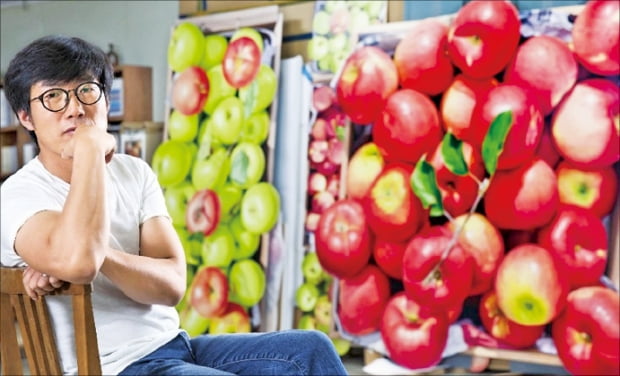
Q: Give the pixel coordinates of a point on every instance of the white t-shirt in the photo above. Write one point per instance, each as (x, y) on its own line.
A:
(126, 330)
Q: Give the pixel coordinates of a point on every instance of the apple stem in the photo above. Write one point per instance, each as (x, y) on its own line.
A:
(482, 189)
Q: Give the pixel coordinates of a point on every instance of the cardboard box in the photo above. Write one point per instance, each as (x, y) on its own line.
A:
(268, 21)
(531, 360)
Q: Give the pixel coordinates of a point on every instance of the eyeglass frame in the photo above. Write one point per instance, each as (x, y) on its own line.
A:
(67, 92)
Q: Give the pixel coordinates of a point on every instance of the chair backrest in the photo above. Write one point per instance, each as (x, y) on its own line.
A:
(32, 318)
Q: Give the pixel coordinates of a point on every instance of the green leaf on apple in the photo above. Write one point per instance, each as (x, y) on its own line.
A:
(424, 185)
(204, 146)
(340, 132)
(249, 100)
(493, 143)
(452, 153)
(239, 169)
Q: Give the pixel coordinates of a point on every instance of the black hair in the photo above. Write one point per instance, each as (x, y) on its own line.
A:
(51, 60)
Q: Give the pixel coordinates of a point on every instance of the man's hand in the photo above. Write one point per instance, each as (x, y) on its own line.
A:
(96, 135)
(38, 284)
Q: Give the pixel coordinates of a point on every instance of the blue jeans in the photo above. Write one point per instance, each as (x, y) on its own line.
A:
(289, 352)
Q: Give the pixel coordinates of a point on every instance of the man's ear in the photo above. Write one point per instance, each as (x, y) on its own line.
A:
(25, 119)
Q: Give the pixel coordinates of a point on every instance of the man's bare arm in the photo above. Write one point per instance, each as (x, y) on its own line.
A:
(158, 274)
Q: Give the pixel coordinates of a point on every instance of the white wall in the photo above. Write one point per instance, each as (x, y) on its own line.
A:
(139, 31)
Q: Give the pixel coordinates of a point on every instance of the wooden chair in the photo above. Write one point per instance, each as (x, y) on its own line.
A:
(34, 324)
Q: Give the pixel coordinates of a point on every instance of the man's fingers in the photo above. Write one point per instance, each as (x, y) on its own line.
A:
(55, 282)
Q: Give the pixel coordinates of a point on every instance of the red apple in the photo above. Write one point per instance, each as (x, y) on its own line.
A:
(321, 201)
(335, 151)
(312, 221)
(502, 328)
(546, 68)
(234, 319)
(323, 97)
(368, 77)
(438, 285)
(342, 239)
(362, 299)
(389, 257)
(530, 287)
(524, 198)
(595, 37)
(317, 182)
(392, 210)
(190, 89)
(421, 58)
(587, 333)
(203, 212)
(364, 166)
(241, 62)
(317, 151)
(319, 129)
(414, 336)
(333, 185)
(459, 100)
(458, 192)
(484, 243)
(595, 189)
(578, 239)
(209, 291)
(527, 124)
(408, 126)
(483, 37)
(595, 102)
(546, 149)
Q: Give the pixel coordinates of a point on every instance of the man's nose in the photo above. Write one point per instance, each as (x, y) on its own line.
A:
(74, 107)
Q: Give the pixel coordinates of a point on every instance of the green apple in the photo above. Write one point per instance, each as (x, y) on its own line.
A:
(219, 88)
(211, 172)
(171, 162)
(186, 242)
(250, 33)
(186, 46)
(256, 128)
(247, 164)
(230, 200)
(247, 282)
(323, 310)
(247, 242)
(307, 321)
(176, 198)
(259, 94)
(306, 297)
(338, 43)
(342, 345)
(218, 248)
(260, 208)
(182, 127)
(227, 120)
(359, 18)
(193, 322)
(311, 268)
(320, 22)
(318, 47)
(331, 6)
(215, 48)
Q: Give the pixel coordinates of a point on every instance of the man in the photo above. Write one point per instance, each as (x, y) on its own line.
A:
(79, 213)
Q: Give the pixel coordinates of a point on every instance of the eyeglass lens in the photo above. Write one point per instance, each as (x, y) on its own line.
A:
(57, 99)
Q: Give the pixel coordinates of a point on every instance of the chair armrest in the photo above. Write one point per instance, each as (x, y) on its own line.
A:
(12, 283)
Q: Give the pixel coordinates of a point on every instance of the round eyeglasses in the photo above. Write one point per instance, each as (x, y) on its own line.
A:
(57, 99)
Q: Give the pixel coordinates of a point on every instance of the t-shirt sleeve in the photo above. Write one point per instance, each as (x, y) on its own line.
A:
(153, 202)
(20, 202)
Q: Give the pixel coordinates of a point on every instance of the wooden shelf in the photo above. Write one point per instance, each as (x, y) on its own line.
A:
(137, 93)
